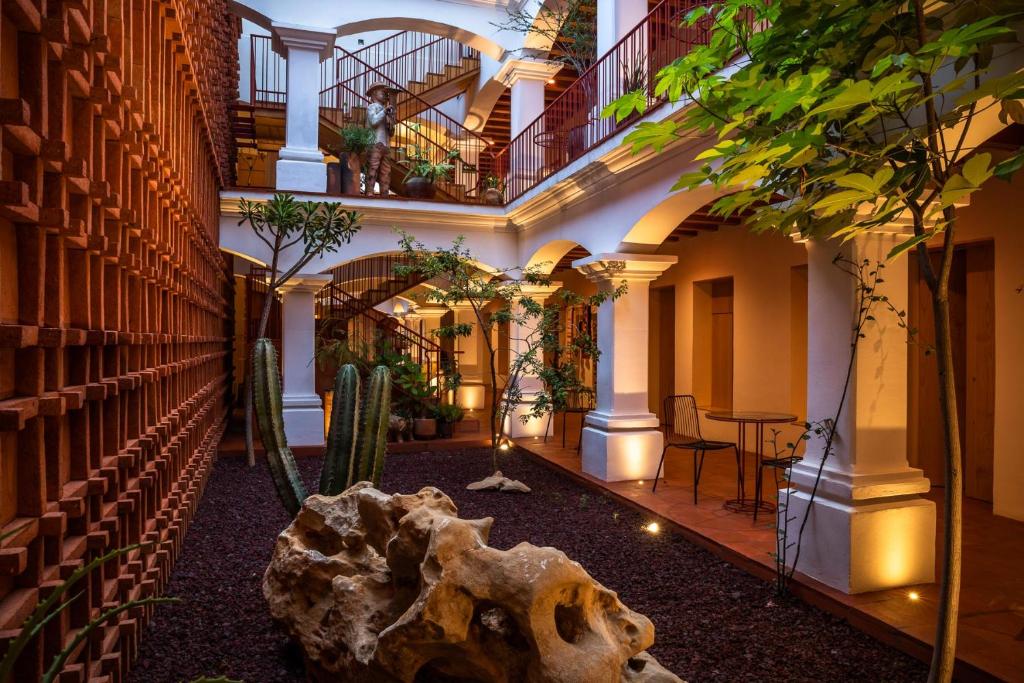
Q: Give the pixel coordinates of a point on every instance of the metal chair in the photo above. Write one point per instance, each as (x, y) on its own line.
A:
(581, 402)
(783, 463)
(682, 430)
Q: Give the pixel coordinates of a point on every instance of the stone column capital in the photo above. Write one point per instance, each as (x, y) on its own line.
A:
(286, 36)
(609, 267)
(539, 293)
(526, 69)
(431, 312)
(310, 283)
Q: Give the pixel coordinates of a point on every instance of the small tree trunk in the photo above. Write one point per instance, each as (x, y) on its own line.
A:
(944, 653)
(250, 441)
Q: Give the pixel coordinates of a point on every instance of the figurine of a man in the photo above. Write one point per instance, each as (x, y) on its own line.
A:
(380, 116)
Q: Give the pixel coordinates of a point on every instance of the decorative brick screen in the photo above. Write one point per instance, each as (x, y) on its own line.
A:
(113, 301)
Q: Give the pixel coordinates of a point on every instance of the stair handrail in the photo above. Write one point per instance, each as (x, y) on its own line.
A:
(519, 182)
(426, 105)
(458, 48)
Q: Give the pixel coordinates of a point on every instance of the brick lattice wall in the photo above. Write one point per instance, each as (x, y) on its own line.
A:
(113, 300)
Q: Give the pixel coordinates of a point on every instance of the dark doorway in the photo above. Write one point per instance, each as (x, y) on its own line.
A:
(972, 312)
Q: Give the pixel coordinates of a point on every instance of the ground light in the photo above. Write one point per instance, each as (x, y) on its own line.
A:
(914, 596)
(504, 446)
(652, 528)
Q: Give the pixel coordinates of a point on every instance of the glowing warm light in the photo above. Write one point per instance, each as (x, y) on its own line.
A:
(640, 483)
(914, 596)
(551, 81)
(652, 528)
(503, 446)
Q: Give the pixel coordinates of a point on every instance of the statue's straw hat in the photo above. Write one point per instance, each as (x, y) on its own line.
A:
(377, 86)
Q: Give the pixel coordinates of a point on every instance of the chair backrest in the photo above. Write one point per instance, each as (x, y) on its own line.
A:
(681, 419)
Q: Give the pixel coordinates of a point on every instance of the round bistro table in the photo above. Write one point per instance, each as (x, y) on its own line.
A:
(743, 418)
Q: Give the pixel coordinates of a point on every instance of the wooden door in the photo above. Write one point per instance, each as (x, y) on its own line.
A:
(721, 343)
(972, 317)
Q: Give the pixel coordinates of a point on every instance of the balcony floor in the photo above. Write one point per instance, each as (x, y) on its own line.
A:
(991, 632)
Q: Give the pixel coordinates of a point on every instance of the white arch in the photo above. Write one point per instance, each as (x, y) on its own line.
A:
(476, 21)
(546, 257)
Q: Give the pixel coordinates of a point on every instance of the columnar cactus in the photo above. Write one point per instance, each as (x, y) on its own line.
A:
(336, 474)
(355, 448)
(373, 436)
(270, 417)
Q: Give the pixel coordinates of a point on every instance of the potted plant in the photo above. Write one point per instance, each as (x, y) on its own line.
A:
(413, 396)
(447, 415)
(494, 190)
(353, 143)
(423, 173)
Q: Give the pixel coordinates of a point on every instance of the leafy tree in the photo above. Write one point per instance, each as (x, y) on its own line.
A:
(569, 27)
(856, 113)
(282, 223)
(498, 299)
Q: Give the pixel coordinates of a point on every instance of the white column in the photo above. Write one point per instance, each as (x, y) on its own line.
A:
(303, 411)
(431, 316)
(621, 440)
(616, 18)
(868, 528)
(300, 164)
(519, 340)
(469, 354)
(527, 78)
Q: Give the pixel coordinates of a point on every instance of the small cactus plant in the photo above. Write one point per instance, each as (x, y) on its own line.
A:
(355, 448)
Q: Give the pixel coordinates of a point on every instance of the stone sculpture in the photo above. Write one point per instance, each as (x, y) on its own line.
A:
(398, 588)
(380, 116)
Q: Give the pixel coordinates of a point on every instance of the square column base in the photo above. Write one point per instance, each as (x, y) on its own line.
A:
(301, 174)
(621, 455)
(303, 420)
(535, 426)
(866, 547)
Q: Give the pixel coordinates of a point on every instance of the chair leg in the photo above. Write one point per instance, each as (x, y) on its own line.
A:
(696, 471)
(565, 419)
(579, 441)
(758, 480)
(551, 416)
(658, 473)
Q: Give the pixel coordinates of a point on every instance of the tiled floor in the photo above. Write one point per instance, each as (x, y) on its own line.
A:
(991, 631)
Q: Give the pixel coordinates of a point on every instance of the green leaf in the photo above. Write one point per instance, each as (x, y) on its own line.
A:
(853, 93)
(840, 201)
(906, 246)
(977, 169)
(1005, 169)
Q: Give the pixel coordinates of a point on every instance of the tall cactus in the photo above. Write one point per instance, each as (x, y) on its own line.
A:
(269, 414)
(336, 474)
(355, 449)
(373, 436)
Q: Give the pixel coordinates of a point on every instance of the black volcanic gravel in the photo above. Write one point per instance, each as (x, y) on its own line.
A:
(713, 622)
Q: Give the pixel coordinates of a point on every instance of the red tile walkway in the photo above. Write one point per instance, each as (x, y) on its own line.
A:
(991, 627)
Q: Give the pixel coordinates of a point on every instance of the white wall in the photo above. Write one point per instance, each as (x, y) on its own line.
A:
(995, 213)
(760, 266)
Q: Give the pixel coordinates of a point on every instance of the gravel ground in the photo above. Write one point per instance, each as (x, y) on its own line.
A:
(713, 622)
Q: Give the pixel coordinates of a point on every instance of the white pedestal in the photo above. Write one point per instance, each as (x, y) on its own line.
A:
(623, 455)
(301, 171)
(303, 420)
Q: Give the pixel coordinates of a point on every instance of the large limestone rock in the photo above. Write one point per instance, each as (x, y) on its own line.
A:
(398, 588)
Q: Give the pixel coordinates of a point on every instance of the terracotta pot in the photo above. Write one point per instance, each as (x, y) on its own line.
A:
(492, 195)
(334, 171)
(424, 428)
(419, 188)
(351, 173)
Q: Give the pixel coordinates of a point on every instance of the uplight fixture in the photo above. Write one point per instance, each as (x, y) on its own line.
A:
(914, 596)
(652, 528)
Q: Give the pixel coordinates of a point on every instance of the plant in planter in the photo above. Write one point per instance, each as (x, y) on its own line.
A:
(423, 172)
(447, 415)
(414, 397)
(493, 190)
(351, 149)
